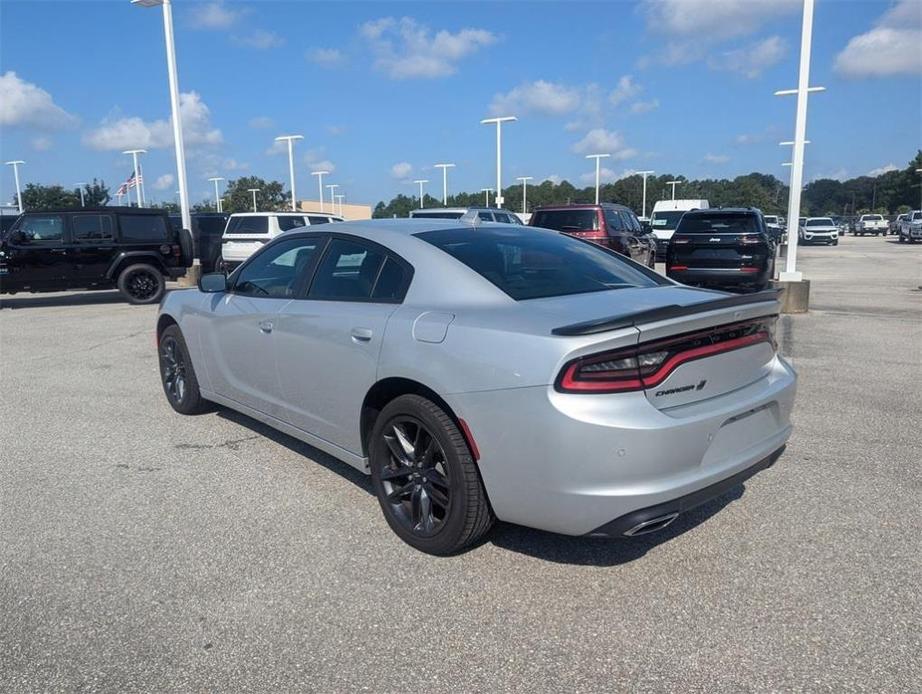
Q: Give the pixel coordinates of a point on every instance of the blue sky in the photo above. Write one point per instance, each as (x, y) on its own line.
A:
(381, 91)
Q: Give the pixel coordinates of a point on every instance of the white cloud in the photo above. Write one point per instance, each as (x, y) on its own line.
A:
(406, 49)
(715, 19)
(231, 164)
(42, 143)
(127, 133)
(548, 98)
(606, 175)
(644, 106)
(326, 57)
(322, 165)
(601, 141)
(751, 60)
(336, 130)
(625, 89)
(886, 168)
(164, 182)
(892, 47)
(402, 169)
(24, 103)
(260, 39)
(213, 15)
(716, 158)
(553, 178)
(261, 122)
(748, 138)
(317, 161)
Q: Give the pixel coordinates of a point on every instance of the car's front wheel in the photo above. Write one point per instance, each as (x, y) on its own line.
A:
(141, 284)
(426, 479)
(180, 384)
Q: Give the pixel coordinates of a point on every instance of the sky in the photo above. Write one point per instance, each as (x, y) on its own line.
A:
(381, 91)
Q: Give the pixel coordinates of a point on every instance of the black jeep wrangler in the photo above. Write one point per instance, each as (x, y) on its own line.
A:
(133, 249)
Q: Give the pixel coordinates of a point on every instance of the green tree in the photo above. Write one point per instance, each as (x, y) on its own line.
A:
(271, 195)
(37, 197)
(95, 194)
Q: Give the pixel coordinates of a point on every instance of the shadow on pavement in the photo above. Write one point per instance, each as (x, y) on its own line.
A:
(61, 300)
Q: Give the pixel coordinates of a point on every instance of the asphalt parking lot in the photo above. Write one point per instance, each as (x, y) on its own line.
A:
(145, 551)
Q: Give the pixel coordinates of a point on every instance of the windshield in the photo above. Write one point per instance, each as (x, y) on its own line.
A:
(666, 220)
(567, 220)
(529, 264)
(820, 222)
(771, 219)
(718, 224)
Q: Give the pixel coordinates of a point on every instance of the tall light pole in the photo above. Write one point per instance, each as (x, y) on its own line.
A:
(254, 191)
(137, 174)
(598, 158)
(339, 199)
(332, 187)
(15, 165)
(524, 180)
(486, 196)
(291, 165)
(644, 174)
(444, 168)
(80, 188)
(174, 104)
(918, 171)
(320, 175)
(421, 182)
(499, 153)
(791, 273)
(217, 197)
(673, 184)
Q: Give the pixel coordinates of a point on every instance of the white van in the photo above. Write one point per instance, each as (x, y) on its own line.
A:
(665, 218)
(246, 232)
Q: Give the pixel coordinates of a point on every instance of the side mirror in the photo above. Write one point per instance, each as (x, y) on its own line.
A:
(645, 227)
(213, 282)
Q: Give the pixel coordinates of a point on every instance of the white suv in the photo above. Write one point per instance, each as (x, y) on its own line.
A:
(246, 232)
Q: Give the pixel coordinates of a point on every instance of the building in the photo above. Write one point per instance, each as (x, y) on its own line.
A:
(349, 211)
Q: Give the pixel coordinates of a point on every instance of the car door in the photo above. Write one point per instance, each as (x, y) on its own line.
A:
(36, 253)
(238, 337)
(327, 344)
(637, 242)
(92, 246)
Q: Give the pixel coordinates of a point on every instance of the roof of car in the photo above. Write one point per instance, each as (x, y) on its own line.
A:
(280, 214)
(723, 210)
(110, 210)
(436, 210)
(580, 206)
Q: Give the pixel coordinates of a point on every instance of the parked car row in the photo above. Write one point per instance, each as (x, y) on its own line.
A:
(246, 232)
(911, 227)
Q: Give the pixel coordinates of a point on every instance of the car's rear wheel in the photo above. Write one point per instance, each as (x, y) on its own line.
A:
(141, 284)
(177, 375)
(425, 477)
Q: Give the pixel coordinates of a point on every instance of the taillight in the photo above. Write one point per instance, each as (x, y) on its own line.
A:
(678, 267)
(648, 365)
(749, 240)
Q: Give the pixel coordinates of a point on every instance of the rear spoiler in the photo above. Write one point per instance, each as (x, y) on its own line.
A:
(601, 325)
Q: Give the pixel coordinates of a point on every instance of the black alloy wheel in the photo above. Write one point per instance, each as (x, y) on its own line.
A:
(177, 374)
(141, 284)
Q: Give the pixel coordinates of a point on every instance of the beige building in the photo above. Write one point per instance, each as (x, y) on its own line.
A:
(349, 211)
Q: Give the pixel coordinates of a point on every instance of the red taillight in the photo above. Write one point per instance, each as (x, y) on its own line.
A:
(646, 366)
(749, 240)
(678, 267)
(749, 269)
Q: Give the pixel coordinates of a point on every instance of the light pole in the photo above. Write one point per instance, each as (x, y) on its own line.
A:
(332, 187)
(291, 165)
(421, 182)
(15, 165)
(137, 174)
(918, 171)
(486, 196)
(524, 180)
(644, 174)
(174, 104)
(339, 199)
(598, 158)
(320, 175)
(444, 168)
(673, 184)
(499, 153)
(791, 273)
(80, 188)
(254, 191)
(217, 197)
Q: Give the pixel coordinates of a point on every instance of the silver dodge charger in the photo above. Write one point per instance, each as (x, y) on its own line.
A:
(483, 372)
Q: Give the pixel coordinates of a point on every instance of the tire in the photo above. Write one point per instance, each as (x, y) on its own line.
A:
(177, 376)
(437, 504)
(141, 284)
(900, 238)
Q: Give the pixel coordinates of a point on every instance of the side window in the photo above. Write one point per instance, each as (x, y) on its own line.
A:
(347, 272)
(485, 216)
(630, 221)
(613, 219)
(317, 220)
(276, 271)
(391, 284)
(142, 228)
(42, 228)
(249, 225)
(289, 223)
(502, 217)
(92, 227)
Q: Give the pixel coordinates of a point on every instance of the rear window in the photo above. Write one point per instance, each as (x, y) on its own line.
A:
(248, 225)
(820, 222)
(437, 215)
(142, 228)
(289, 223)
(318, 220)
(536, 264)
(872, 217)
(566, 220)
(718, 224)
(666, 220)
(771, 219)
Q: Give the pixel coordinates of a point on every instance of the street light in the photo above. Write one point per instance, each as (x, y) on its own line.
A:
(918, 171)
(332, 187)
(790, 273)
(673, 184)
(217, 197)
(174, 105)
(421, 181)
(137, 174)
(291, 165)
(486, 196)
(320, 175)
(444, 168)
(254, 191)
(524, 180)
(598, 158)
(644, 174)
(15, 165)
(499, 153)
(339, 199)
(80, 188)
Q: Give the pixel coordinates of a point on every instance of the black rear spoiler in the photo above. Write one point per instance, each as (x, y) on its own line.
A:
(601, 325)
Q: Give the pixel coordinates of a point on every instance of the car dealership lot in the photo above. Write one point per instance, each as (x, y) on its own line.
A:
(144, 551)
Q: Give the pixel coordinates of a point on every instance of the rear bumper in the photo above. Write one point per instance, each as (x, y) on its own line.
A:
(718, 276)
(176, 272)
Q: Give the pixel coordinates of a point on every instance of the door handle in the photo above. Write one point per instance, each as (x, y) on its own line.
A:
(361, 334)
(265, 326)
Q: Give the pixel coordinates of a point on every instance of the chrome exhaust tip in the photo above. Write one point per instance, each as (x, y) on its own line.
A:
(652, 525)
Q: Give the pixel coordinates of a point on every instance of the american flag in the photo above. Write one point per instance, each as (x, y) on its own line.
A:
(132, 181)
